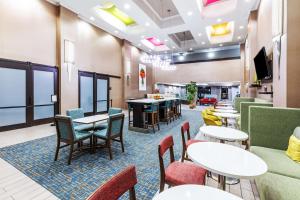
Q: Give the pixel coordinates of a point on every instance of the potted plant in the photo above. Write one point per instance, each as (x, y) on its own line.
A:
(191, 94)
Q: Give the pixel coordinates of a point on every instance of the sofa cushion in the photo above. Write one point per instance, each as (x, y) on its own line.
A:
(274, 187)
(278, 162)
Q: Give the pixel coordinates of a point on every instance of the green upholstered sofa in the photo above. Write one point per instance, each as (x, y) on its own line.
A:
(239, 100)
(244, 121)
(269, 131)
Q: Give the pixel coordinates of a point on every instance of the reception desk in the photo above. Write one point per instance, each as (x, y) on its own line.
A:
(138, 105)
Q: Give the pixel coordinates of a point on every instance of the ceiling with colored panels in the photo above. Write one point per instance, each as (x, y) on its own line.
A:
(168, 25)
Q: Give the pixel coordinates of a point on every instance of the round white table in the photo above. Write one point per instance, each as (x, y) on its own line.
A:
(226, 116)
(224, 107)
(224, 104)
(225, 111)
(227, 161)
(194, 192)
(224, 133)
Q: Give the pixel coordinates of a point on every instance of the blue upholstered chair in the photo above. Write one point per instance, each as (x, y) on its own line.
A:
(111, 111)
(68, 135)
(114, 132)
(152, 112)
(76, 114)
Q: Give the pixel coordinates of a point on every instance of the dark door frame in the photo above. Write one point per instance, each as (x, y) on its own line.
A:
(29, 67)
(95, 76)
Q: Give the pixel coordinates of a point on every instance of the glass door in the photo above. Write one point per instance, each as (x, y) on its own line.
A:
(44, 93)
(86, 92)
(26, 92)
(93, 93)
(13, 100)
(102, 101)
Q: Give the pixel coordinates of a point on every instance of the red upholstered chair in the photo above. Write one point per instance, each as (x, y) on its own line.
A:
(177, 173)
(185, 130)
(117, 186)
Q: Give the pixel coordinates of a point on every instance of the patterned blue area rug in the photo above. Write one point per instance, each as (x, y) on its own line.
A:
(88, 171)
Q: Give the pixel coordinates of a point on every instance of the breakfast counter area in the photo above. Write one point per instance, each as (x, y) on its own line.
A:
(150, 112)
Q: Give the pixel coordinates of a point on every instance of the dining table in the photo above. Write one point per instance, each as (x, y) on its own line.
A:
(226, 161)
(225, 111)
(194, 192)
(226, 116)
(92, 119)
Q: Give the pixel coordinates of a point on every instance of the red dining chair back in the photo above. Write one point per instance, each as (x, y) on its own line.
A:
(117, 186)
(177, 173)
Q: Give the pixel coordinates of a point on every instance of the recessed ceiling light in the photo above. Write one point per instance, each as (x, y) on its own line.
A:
(150, 50)
(147, 24)
(190, 13)
(239, 37)
(142, 36)
(92, 18)
(166, 40)
(174, 47)
(199, 34)
(139, 45)
(116, 31)
(203, 43)
(220, 45)
(126, 6)
(241, 27)
(191, 49)
(219, 20)
(211, 55)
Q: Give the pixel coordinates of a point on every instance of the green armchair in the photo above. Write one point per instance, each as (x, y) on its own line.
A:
(269, 131)
(68, 135)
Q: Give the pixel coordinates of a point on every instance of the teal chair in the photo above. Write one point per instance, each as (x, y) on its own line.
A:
(152, 115)
(113, 132)
(111, 111)
(68, 135)
(76, 114)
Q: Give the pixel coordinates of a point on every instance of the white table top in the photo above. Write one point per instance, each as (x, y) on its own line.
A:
(224, 133)
(92, 119)
(224, 104)
(146, 101)
(225, 111)
(195, 192)
(227, 160)
(225, 107)
(226, 115)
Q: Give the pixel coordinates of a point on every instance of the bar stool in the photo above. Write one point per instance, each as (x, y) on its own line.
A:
(178, 110)
(152, 111)
(173, 110)
(166, 106)
(130, 109)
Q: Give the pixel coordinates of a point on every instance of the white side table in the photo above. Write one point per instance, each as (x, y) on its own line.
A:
(194, 192)
(227, 161)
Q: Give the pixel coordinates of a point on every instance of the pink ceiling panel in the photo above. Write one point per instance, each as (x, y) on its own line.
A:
(156, 42)
(208, 2)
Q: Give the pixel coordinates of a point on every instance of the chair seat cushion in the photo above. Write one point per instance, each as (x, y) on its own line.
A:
(178, 173)
(79, 135)
(278, 162)
(101, 133)
(83, 127)
(189, 142)
(101, 125)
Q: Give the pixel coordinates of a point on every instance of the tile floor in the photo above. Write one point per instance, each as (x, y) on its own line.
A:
(14, 185)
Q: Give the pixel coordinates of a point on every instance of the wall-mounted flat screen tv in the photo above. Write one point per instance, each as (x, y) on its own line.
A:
(262, 66)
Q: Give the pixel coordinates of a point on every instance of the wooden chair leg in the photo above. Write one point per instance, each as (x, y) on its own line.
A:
(162, 186)
(71, 152)
(183, 155)
(122, 144)
(91, 145)
(153, 122)
(57, 150)
(109, 149)
(132, 194)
